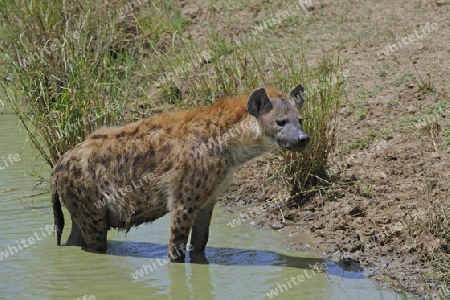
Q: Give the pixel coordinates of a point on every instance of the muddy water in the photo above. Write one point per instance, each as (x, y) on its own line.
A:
(240, 262)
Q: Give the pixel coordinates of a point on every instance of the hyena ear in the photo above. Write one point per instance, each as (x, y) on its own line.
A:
(298, 94)
(258, 102)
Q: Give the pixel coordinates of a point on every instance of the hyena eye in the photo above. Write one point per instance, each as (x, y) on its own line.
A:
(281, 122)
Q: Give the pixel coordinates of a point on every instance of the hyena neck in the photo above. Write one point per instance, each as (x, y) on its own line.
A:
(240, 132)
(246, 142)
(229, 112)
(232, 113)
(235, 135)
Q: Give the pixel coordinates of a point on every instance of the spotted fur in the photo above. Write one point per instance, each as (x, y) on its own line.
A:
(177, 162)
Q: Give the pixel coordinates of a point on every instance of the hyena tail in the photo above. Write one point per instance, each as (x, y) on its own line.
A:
(58, 216)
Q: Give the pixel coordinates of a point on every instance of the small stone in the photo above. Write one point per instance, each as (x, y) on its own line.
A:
(276, 225)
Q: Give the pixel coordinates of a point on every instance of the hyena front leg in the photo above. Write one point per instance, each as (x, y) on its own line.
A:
(200, 230)
(182, 218)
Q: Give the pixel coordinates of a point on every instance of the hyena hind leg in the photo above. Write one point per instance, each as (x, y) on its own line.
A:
(95, 234)
(96, 241)
(75, 237)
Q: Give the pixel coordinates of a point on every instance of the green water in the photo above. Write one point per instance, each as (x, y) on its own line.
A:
(241, 262)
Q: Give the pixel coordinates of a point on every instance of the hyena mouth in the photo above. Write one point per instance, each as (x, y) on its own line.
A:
(295, 145)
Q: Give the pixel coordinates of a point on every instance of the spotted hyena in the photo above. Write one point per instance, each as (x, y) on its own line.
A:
(177, 162)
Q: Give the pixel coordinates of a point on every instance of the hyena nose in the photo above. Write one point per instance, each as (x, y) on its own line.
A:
(304, 139)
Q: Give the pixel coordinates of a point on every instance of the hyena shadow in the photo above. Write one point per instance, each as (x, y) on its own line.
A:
(235, 257)
(212, 255)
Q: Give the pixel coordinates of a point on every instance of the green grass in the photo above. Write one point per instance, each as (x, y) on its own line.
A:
(407, 76)
(69, 77)
(364, 142)
(325, 88)
(363, 189)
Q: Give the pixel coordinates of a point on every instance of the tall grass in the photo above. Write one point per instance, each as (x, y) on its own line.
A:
(75, 66)
(325, 88)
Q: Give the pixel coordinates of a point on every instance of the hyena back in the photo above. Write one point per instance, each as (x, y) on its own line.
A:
(177, 162)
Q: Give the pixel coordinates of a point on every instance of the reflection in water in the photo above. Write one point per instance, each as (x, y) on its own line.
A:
(187, 282)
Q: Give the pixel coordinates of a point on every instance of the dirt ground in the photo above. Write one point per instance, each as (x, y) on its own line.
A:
(390, 167)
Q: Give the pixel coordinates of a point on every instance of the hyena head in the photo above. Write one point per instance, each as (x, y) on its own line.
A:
(279, 118)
